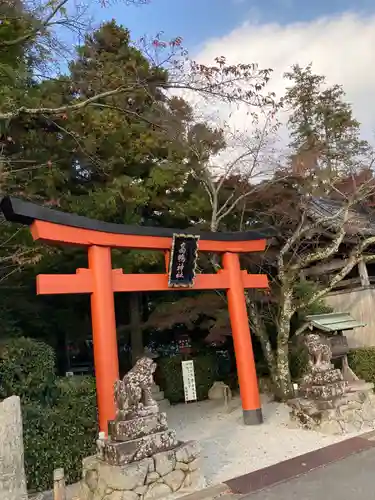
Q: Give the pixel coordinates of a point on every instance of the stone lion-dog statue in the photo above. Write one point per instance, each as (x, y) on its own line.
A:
(319, 352)
(133, 395)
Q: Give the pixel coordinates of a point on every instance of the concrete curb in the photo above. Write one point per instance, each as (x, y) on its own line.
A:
(212, 492)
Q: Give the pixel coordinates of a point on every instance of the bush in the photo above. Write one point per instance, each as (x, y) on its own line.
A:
(169, 376)
(62, 434)
(27, 369)
(298, 360)
(362, 362)
(59, 414)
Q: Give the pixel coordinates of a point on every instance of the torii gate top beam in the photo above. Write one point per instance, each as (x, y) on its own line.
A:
(55, 226)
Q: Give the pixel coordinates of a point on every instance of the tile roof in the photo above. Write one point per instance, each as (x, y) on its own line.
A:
(361, 220)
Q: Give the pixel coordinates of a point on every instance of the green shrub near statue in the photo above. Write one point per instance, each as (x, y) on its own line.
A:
(362, 362)
(59, 414)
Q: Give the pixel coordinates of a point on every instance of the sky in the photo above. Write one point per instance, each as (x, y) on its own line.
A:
(198, 21)
(337, 36)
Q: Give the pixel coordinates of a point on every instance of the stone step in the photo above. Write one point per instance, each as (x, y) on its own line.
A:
(154, 389)
(158, 396)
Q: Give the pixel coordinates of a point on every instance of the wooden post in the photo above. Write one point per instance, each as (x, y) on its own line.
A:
(363, 274)
(59, 490)
(104, 333)
(247, 377)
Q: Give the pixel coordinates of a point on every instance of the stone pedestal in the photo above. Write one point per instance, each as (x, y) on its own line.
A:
(138, 438)
(323, 385)
(168, 473)
(331, 405)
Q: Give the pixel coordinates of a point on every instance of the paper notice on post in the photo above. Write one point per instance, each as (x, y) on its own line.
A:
(188, 377)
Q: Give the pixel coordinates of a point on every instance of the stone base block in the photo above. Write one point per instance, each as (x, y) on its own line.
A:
(121, 453)
(167, 474)
(322, 377)
(343, 415)
(324, 392)
(127, 430)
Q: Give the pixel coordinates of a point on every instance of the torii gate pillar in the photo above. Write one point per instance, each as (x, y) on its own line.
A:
(104, 334)
(247, 377)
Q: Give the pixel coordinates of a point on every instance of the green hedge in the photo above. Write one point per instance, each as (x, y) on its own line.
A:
(362, 362)
(169, 376)
(59, 418)
(60, 435)
(27, 368)
(298, 360)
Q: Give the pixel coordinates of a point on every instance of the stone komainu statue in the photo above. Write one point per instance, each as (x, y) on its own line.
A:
(133, 393)
(319, 351)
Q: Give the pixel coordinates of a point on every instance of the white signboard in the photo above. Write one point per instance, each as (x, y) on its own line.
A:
(188, 377)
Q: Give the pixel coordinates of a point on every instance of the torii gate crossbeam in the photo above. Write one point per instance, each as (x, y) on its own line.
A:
(101, 281)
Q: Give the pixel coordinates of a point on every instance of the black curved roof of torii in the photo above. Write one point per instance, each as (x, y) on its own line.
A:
(24, 212)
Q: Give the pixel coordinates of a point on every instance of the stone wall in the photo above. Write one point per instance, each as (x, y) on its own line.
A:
(168, 473)
(12, 472)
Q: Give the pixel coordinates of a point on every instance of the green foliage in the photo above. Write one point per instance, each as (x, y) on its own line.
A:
(304, 290)
(27, 369)
(298, 359)
(59, 414)
(62, 434)
(169, 376)
(362, 362)
(322, 124)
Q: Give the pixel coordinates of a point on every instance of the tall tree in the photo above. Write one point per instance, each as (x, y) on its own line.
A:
(326, 137)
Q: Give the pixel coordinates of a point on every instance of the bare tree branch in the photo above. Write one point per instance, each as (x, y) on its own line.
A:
(355, 256)
(63, 109)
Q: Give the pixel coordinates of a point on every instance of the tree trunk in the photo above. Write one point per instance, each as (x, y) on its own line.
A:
(259, 329)
(363, 273)
(284, 381)
(136, 339)
(214, 208)
(284, 386)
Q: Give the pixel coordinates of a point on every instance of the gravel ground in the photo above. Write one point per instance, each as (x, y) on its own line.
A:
(231, 449)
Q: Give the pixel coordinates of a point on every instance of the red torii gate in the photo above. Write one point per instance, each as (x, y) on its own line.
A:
(101, 281)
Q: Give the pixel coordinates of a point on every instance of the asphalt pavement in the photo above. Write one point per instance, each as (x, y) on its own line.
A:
(352, 478)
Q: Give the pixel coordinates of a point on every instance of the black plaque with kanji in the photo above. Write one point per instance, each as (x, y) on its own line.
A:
(183, 261)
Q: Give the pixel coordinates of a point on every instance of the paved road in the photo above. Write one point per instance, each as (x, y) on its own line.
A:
(352, 478)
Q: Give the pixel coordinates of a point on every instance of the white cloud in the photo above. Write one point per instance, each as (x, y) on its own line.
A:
(342, 48)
